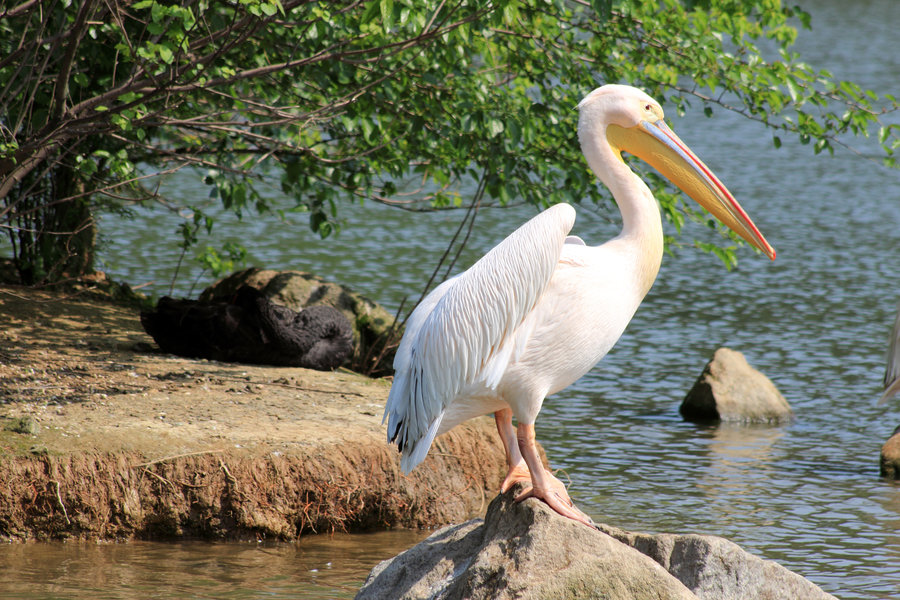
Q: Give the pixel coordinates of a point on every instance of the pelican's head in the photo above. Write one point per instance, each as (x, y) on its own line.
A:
(632, 121)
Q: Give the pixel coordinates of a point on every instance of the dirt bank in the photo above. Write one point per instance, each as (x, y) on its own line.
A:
(102, 437)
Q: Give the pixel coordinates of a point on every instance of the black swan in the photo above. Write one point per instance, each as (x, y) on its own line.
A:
(248, 327)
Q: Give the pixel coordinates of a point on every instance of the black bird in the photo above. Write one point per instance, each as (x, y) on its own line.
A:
(249, 328)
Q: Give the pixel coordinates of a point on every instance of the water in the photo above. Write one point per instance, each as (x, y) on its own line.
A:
(806, 494)
(315, 568)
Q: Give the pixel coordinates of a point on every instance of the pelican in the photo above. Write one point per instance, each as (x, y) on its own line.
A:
(541, 308)
(892, 370)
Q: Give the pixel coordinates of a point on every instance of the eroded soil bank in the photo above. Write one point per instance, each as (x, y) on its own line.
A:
(101, 437)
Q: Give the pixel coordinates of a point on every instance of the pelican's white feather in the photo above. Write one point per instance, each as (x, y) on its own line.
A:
(539, 310)
(463, 333)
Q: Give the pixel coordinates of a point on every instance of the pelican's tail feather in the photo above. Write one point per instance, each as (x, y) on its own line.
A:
(416, 451)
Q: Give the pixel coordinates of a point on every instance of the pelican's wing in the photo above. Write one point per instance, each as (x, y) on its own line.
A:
(455, 336)
(892, 372)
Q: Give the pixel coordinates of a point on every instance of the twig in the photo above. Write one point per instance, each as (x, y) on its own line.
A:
(389, 339)
(159, 460)
(232, 480)
(160, 477)
(61, 505)
(228, 476)
(481, 489)
(287, 385)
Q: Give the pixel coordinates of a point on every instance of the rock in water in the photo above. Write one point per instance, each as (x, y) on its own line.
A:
(729, 389)
(716, 569)
(527, 551)
(250, 328)
(890, 456)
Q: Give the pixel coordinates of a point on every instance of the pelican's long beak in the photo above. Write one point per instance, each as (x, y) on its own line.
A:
(657, 144)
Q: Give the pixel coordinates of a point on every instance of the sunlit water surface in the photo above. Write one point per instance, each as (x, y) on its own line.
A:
(816, 321)
(315, 568)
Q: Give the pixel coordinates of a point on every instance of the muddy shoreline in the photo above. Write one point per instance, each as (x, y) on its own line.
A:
(102, 437)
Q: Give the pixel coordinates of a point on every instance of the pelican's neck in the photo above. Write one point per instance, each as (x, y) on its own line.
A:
(642, 230)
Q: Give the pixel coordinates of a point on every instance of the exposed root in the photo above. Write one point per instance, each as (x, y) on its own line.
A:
(234, 495)
(173, 457)
(61, 505)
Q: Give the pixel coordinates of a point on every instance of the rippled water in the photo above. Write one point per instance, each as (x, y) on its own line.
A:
(816, 321)
(315, 568)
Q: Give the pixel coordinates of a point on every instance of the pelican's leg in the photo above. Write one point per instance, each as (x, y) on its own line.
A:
(517, 470)
(544, 485)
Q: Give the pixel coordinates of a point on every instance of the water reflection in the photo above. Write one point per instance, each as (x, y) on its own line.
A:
(740, 462)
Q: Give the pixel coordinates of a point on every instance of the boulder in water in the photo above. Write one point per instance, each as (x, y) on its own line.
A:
(890, 456)
(729, 389)
(527, 551)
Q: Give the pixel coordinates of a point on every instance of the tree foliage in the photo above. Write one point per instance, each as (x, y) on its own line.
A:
(396, 101)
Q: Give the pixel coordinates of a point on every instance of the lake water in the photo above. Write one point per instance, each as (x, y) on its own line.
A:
(315, 568)
(816, 321)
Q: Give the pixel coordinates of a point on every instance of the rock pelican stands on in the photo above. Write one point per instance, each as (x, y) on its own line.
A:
(525, 551)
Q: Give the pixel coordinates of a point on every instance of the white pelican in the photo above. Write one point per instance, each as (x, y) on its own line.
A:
(541, 309)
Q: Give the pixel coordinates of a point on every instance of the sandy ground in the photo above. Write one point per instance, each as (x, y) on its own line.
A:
(103, 436)
(89, 377)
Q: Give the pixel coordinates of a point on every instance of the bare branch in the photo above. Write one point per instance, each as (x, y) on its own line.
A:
(72, 40)
(17, 10)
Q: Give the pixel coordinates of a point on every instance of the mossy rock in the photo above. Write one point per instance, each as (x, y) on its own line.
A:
(375, 339)
(23, 425)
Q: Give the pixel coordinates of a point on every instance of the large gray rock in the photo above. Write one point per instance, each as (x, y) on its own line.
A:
(729, 389)
(715, 568)
(526, 551)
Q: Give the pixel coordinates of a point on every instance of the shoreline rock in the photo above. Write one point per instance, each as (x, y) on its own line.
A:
(526, 551)
(889, 459)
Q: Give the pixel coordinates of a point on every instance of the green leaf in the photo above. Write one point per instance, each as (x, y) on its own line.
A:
(793, 90)
(166, 54)
(404, 101)
(495, 127)
(372, 10)
(367, 129)
(158, 12)
(387, 13)
(602, 8)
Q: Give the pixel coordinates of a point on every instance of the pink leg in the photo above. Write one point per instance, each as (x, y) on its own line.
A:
(545, 486)
(517, 470)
